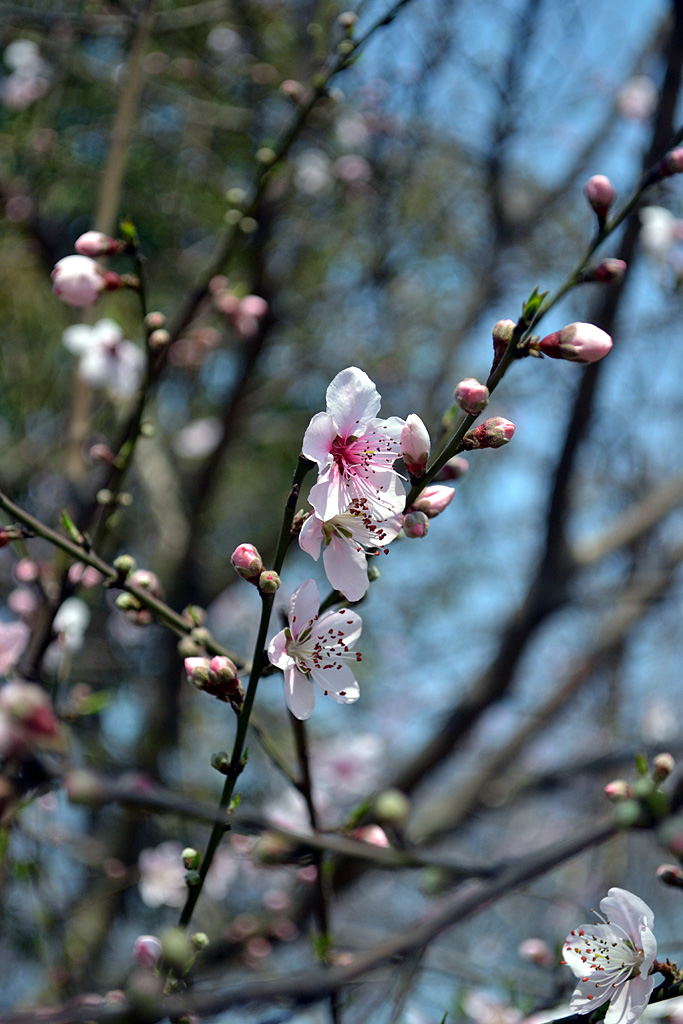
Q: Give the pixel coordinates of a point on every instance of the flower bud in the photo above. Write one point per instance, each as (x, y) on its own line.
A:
(454, 469)
(372, 834)
(29, 706)
(146, 580)
(125, 564)
(217, 677)
(96, 243)
(618, 790)
(662, 767)
(600, 193)
(155, 320)
(415, 446)
(503, 331)
(538, 952)
(191, 858)
(433, 500)
(577, 342)
(392, 807)
(670, 874)
(671, 163)
(78, 281)
(159, 339)
(197, 671)
(147, 951)
(247, 562)
(200, 940)
(253, 305)
(608, 271)
(471, 396)
(493, 433)
(415, 524)
(269, 582)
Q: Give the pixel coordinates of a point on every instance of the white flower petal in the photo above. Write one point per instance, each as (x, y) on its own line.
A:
(299, 694)
(277, 651)
(346, 567)
(320, 434)
(337, 682)
(629, 1001)
(311, 535)
(352, 400)
(622, 908)
(303, 607)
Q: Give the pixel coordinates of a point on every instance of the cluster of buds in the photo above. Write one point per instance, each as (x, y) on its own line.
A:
(639, 802)
(244, 315)
(577, 342)
(493, 433)
(79, 281)
(415, 447)
(129, 603)
(600, 193)
(247, 563)
(217, 677)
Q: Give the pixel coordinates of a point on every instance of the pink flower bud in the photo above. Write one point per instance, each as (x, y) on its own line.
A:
(454, 469)
(672, 162)
(217, 677)
(662, 767)
(222, 667)
(78, 280)
(269, 582)
(254, 305)
(608, 271)
(600, 193)
(415, 446)
(618, 790)
(472, 396)
(670, 874)
(147, 951)
(95, 243)
(538, 952)
(493, 433)
(197, 671)
(146, 580)
(579, 343)
(502, 334)
(372, 834)
(433, 500)
(247, 562)
(415, 524)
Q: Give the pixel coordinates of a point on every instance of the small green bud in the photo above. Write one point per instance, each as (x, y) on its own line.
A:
(191, 858)
(127, 603)
(373, 572)
(628, 813)
(125, 564)
(221, 762)
(269, 582)
(392, 807)
(200, 940)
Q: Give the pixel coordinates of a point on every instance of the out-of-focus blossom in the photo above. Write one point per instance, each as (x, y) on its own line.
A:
(638, 98)
(316, 650)
(486, 1008)
(27, 720)
(454, 469)
(355, 451)
(22, 601)
(198, 439)
(147, 951)
(30, 75)
(613, 958)
(13, 639)
(78, 280)
(162, 875)
(84, 575)
(538, 952)
(70, 623)
(313, 172)
(600, 193)
(346, 540)
(96, 243)
(372, 834)
(106, 359)
(659, 232)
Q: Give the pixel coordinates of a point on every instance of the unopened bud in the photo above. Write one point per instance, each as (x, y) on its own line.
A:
(628, 813)
(433, 500)
(147, 951)
(670, 874)
(392, 807)
(269, 582)
(454, 469)
(577, 342)
(127, 603)
(503, 332)
(471, 396)
(101, 453)
(125, 564)
(146, 580)
(221, 762)
(662, 767)
(155, 320)
(618, 790)
(347, 19)
(201, 635)
(608, 271)
(415, 524)
(671, 163)
(95, 243)
(538, 952)
(159, 339)
(493, 433)
(415, 446)
(600, 193)
(247, 562)
(200, 940)
(191, 858)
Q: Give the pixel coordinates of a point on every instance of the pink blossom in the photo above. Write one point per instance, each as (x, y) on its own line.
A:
(600, 193)
(147, 951)
(415, 446)
(472, 396)
(433, 500)
(96, 243)
(491, 433)
(578, 342)
(106, 358)
(78, 280)
(355, 451)
(247, 562)
(346, 540)
(316, 650)
(13, 639)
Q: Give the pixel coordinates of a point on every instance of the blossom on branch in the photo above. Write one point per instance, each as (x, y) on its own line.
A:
(347, 539)
(316, 650)
(613, 958)
(79, 281)
(577, 342)
(106, 358)
(355, 451)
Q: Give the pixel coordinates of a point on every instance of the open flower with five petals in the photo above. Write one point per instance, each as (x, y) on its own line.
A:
(613, 958)
(347, 539)
(317, 650)
(355, 450)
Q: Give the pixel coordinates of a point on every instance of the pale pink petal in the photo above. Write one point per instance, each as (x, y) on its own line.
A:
(303, 607)
(346, 624)
(277, 651)
(337, 682)
(13, 639)
(352, 400)
(626, 910)
(320, 434)
(629, 1001)
(299, 693)
(328, 496)
(310, 537)
(392, 427)
(346, 567)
